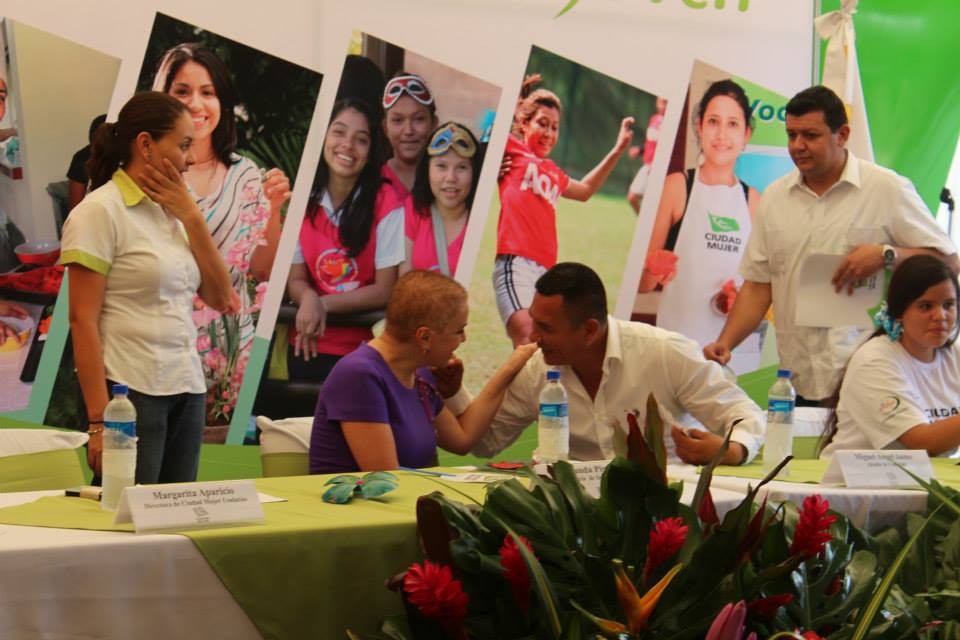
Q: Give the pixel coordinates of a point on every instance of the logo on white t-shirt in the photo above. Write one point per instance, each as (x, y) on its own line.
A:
(889, 404)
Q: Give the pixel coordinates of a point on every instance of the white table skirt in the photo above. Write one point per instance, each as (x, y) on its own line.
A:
(869, 509)
(60, 584)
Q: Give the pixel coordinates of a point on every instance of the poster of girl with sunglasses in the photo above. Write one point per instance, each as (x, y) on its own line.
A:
(393, 190)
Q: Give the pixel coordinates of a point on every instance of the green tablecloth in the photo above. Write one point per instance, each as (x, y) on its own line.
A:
(312, 570)
(945, 470)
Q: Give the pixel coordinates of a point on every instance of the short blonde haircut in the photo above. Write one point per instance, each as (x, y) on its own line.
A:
(423, 299)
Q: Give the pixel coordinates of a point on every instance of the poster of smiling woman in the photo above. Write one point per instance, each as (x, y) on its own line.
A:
(730, 145)
(252, 112)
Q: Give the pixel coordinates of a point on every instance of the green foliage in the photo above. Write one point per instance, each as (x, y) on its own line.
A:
(578, 542)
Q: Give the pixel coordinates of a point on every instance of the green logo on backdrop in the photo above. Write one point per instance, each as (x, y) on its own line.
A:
(768, 111)
(720, 224)
(741, 5)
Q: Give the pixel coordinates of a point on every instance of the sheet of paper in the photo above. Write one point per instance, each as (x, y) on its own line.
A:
(818, 305)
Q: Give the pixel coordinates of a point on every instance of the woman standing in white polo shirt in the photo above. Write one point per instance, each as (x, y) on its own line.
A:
(901, 389)
(138, 252)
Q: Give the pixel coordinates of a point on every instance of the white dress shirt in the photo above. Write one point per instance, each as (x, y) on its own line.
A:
(868, 205)
(640, 359)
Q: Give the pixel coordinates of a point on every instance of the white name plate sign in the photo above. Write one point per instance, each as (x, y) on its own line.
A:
(589, 473)
(194, 505)
(878, 469)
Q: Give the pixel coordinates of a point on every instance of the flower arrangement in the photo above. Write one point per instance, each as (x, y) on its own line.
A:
(638, 563)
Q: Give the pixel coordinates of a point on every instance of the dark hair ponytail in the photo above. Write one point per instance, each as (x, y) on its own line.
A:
(146, 112)
(357, 210)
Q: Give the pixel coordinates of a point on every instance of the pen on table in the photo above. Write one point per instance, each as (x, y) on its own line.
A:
(424, 471)
(90, 493)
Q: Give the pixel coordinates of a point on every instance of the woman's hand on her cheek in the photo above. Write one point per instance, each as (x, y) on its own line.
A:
(166, 187)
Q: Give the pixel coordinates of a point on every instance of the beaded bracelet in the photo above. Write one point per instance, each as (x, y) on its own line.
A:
(93, 432)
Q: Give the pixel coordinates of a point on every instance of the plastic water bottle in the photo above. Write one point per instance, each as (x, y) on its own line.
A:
(553, 425)
(119, 447)
(779, 439)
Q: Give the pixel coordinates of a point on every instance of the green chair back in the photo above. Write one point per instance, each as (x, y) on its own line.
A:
(285, 464)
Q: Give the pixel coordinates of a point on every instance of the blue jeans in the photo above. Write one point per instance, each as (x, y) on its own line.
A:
(169, 432)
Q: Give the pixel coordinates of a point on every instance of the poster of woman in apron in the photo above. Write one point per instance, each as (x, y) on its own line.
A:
(702, 225)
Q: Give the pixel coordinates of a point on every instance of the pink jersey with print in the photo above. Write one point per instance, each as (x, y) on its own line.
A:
(528, 205)
(418, 227)
(392, 181)
(333, 271)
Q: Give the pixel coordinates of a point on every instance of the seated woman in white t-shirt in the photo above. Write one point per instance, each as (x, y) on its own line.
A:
(901, 389)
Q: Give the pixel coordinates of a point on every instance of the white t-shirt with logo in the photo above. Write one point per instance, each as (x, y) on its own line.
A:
(886, 392)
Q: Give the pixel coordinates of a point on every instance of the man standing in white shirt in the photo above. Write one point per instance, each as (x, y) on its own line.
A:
(608, 368)
(833, 203)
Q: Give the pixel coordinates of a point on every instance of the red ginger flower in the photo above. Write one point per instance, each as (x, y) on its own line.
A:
(813, 529)
(666, 539)
(767, 607)
(811, 635)
(515, 570)
(432, 589)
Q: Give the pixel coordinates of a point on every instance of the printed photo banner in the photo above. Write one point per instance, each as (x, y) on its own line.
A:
(401, 125)
(731, 144)
(642, 44)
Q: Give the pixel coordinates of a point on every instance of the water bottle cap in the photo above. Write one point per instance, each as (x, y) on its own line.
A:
(120, 389)
(553, 374)
(783, 373)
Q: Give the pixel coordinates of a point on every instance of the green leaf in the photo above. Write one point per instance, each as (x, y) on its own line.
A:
(375, 488)
(339, 493)
(653, 431)
(936, 490)
(381, 475)
(706, 474)
(570, 5)
(867, 614)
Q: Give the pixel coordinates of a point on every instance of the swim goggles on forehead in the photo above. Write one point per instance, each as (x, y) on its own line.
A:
(412, 85)
(452, 136)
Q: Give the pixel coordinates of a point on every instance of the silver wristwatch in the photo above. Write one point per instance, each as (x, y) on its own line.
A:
(889, 256)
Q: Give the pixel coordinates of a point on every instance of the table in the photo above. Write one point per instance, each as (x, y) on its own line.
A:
(312, 570)
(869, 509)
(72, 583)
(315, 569)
